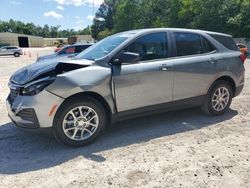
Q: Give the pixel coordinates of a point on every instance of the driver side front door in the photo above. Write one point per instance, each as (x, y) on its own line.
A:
(148, 82)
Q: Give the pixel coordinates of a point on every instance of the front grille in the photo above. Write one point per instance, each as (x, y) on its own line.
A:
(13, 95)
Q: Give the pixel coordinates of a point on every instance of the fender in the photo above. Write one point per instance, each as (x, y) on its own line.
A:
(94, 79)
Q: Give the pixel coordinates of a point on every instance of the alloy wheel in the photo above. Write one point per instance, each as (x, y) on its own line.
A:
(220, 99)
(80, 123)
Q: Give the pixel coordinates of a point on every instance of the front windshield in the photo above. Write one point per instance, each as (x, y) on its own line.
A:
(102, 48)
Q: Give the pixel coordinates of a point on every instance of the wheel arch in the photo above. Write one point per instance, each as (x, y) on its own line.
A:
(228, 79)
(94, 95)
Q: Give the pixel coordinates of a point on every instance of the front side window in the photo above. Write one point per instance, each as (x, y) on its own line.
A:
(11, 48)
(150, 47)
(187, 44)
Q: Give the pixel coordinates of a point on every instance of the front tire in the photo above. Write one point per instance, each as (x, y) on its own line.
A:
(79, 121)
(218, 99)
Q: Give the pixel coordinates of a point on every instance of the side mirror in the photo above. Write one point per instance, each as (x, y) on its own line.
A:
(127, 57)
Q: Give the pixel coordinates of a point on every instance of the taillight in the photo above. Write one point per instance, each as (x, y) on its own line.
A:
(243, 57)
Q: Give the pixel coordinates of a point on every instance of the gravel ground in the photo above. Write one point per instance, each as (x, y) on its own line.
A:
(177, 149)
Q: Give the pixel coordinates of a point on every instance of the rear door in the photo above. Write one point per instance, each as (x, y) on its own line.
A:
(195, 65)
(148, 82)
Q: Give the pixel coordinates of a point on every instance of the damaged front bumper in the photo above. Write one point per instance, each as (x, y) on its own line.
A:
(33, 112)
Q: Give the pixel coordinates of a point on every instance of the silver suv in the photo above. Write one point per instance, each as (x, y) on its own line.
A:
(125, 75)
(11, 50)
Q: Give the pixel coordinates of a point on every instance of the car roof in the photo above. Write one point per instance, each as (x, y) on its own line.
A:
(140, 31)
(9, 46)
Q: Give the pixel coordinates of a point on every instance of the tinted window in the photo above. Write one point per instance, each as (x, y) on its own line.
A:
(188, 44)
(67, 50)
(80, 48)
(226, 41)
(149, 47)
(207, 46)
(11, 48)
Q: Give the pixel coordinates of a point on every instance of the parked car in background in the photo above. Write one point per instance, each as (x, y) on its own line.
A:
(68, 51)
(129, 74)
(11, 50)
(242, 48)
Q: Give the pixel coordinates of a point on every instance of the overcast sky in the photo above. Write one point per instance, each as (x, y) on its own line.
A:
(70, 14)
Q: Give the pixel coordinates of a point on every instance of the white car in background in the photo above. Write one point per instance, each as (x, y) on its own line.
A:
(11, 50)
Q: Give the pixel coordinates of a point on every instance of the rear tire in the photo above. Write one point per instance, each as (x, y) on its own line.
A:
(16, 54)
(79, 122)
(218, 99)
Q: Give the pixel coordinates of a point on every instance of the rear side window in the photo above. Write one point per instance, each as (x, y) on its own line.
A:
(226, 41)
(187, 44)
(192, 44)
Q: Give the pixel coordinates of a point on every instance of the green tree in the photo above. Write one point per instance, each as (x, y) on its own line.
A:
(228, 16)
(32, 29)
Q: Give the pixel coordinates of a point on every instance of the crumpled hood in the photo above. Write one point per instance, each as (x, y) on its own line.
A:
(30, 72)
(55, 57)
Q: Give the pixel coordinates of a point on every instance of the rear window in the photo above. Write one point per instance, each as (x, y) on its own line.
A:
(226, 41)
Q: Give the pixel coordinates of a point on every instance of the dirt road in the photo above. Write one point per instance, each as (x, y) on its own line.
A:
(176, 149)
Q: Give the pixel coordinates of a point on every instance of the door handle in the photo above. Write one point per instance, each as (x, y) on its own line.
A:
(165, 67)
(212, 60)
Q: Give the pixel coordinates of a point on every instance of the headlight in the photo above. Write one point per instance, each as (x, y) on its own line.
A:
(37, 86)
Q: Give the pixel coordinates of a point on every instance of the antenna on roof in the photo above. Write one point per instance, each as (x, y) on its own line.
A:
(93, 8)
